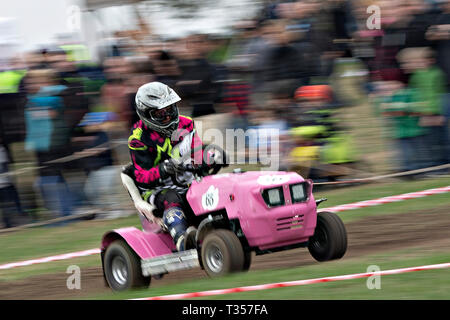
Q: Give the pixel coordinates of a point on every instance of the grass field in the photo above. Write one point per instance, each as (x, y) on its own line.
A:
(417, 285)
(41, 242)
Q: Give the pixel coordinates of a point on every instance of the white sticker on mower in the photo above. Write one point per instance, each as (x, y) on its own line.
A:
(210, 199)
(272, 179)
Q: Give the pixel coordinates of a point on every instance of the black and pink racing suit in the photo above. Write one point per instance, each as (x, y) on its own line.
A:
(148, 148)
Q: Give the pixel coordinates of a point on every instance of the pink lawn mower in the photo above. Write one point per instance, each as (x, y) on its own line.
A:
(235, 214)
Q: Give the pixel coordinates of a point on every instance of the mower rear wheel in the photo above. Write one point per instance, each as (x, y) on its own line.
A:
(122, 267)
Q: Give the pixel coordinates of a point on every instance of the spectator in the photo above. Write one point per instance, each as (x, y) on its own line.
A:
(429, 81)
(9, 199)
(439, 35)
(11, 104)
(114, 93)
(330, 27)
(48, 136)
(244, 53)
(317, 132)
(166, 69)
(280, 60)
(141, 70)
(75, 102)
(422, 17)
(196, 79)
(400, 106)
(100, 187)
(390, 42)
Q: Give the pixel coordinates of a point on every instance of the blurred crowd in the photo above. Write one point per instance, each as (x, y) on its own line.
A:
(271, 71)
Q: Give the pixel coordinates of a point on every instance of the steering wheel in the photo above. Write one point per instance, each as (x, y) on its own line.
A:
(219, 161)
(176, 178)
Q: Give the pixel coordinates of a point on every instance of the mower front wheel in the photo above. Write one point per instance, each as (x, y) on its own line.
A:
(329, 241)
(222, 253)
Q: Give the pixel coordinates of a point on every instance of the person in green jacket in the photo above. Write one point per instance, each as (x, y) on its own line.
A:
(430, 83)
(400, 106)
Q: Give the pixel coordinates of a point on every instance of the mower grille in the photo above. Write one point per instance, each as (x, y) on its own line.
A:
(292, 222)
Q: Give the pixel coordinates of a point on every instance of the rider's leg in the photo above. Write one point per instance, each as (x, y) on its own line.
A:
(175, 220)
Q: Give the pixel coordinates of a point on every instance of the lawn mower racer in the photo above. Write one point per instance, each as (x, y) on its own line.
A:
(158, 143)
(234, 214)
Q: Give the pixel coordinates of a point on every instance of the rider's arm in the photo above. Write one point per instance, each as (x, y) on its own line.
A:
(145, 172)
(143, 155)
(148, 170)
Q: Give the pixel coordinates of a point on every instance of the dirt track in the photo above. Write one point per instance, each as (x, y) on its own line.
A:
(382, 233)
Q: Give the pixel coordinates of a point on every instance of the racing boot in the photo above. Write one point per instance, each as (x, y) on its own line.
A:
(189, 238)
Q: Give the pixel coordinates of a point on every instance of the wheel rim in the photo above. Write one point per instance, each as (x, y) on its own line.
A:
(214, 259)
(320, 239)
(119, 270)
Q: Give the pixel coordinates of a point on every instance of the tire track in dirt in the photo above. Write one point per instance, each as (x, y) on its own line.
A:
(369, 235)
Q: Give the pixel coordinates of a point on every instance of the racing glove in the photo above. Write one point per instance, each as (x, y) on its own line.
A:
(168, 168)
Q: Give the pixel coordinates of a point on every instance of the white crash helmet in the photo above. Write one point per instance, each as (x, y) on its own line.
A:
(151, 99)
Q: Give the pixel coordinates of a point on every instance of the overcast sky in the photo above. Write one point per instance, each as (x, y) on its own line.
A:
(37, 22)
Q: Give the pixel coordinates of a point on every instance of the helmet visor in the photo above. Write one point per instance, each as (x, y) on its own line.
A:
(164, 115)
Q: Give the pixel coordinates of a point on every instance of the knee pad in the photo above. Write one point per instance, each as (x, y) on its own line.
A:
(176, 224)
(172, 198)
(167, 199)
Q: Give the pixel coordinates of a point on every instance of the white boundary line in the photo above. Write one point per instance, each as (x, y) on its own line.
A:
(350, 206)
(386, 176)
(294, 283)
(390, 199)
(64, 256)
